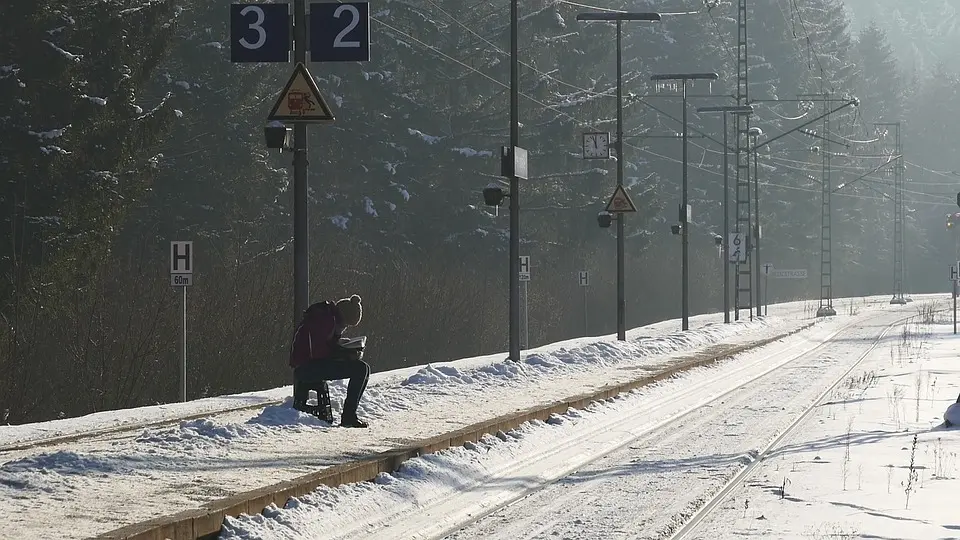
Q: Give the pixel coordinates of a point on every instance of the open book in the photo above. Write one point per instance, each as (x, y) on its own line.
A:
(353, 343)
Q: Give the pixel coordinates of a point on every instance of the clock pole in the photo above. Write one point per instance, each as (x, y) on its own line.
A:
(619, 17)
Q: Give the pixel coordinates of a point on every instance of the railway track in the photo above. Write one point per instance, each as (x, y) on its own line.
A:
(451, 515)
(691, 526)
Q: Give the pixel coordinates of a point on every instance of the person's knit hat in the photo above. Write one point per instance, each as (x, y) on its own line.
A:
(350, 310)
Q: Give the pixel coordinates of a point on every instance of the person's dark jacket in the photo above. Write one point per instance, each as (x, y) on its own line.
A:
(318, 335)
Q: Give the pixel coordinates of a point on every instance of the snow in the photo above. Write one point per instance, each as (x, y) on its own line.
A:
(875, 463)
(368, 207)
(512, 485)
(97, 100)
(50, 134)
(340, 222)
(66, 54)
(429, 139)
(470, 152)
(169, 468)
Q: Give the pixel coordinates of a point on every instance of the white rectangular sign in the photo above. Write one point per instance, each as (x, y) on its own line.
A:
(524, 268)
(955, 272)
(181, 280)
(789, 274)
(767, 268)
(584, 278)
(737, 247)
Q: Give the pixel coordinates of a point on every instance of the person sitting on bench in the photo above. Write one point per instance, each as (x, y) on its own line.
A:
(316, 354)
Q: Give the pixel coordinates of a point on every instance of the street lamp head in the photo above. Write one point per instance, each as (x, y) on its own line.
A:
(613, 16)
(493, 195)
(604, 219)
(755, 132)
(684, 76)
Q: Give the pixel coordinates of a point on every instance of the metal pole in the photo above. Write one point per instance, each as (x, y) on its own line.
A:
(726, 226)
(514, 186)
(586, 324)
(183, 348)
(756, 219)
(301, 262)
(621, 294)
(766, 292)
(685, 229)
(526, 316)
(954, 307)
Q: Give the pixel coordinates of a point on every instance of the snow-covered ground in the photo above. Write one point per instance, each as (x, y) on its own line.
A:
(875, 462)
(58, 491)
(660, 461)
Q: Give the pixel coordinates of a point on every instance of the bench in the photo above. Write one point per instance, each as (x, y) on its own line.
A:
(301, 399)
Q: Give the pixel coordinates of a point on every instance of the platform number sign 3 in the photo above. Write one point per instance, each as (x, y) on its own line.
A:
(260, 33)
(340, 32)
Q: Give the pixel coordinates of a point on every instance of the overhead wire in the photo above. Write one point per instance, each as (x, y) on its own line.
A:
(606, 93)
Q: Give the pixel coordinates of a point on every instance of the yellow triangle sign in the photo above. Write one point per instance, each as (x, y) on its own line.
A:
(620, 202)
(300, 100)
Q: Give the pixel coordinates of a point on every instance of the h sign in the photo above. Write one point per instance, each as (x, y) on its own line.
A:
(524, 268)
(955, 272)
(584, 278)
(181, 257)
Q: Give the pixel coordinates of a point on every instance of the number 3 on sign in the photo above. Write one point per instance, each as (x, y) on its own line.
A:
(256, 26)
(259, 33)
(340, 32)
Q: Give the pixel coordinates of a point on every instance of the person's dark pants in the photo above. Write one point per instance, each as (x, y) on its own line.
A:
(357, 371)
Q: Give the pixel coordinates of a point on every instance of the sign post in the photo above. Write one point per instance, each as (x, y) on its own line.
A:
(584, 280)
(766, 288)
(339, 32)
(525, 279)
(620, 204)
(955, 277)
(181, 275)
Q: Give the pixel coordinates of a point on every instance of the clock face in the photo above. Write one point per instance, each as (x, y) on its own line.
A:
(596, 145)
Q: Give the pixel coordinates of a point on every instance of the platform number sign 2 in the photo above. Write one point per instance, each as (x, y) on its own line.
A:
(260, 33)
(340, 32)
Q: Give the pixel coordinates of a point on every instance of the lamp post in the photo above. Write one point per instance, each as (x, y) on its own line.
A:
(684, 217)
(727, 109)
(619, 17)
(755, 134)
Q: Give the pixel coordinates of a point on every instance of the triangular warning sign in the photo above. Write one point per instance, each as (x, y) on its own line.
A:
(620, 202)
(300, 100)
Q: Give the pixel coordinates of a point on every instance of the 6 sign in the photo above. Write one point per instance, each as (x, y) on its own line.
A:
(738, 252)
(259, 33)
(340, 32)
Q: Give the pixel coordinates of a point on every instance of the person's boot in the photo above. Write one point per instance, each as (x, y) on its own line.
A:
(351, 420)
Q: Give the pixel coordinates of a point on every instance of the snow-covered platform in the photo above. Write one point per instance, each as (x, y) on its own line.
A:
(60, 491)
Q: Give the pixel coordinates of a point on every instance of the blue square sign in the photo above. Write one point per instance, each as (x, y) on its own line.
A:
(259, 33)
(340, 32)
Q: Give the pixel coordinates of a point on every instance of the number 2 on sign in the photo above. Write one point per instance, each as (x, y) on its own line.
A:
(256, 26)
(355, 14)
